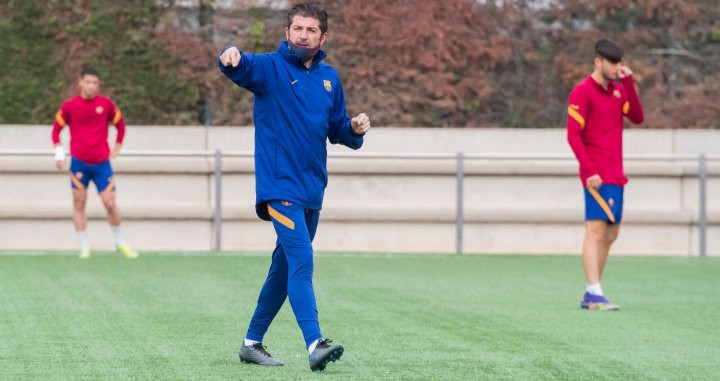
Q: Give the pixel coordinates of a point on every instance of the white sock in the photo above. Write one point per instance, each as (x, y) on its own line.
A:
(312, 346)
(117, 234)
(83, 239)
(594, 289)
(249, 342)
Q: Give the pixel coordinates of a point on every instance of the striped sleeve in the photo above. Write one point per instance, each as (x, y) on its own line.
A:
(577, 113)
(116, 118)
(62, 118)
(632, 108)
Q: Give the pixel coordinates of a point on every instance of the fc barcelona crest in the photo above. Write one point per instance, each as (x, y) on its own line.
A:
(328, 85)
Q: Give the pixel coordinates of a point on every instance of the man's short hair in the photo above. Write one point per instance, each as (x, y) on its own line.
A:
(89, 70)
(609, 50)
(313, 10)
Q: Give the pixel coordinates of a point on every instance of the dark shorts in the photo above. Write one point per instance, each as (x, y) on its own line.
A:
(82, 173)
(605, 203)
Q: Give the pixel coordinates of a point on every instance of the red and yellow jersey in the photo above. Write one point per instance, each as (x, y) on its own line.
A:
(595, 126)
(89, 121)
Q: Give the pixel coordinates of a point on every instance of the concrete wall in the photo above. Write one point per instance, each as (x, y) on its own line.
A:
(372, 204)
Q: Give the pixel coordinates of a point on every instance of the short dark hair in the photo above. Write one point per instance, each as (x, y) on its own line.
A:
(610, 50)
(314, 10)
(89, 70)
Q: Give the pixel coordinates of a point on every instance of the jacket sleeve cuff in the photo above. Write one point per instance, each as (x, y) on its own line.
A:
(354, 134)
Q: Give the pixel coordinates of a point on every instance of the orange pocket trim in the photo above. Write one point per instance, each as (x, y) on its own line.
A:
(277, 216)
(602, 203)
(110, 186)
(77, 182)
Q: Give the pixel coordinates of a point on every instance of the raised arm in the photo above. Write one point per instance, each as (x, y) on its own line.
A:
(632, 108)
(245, 70)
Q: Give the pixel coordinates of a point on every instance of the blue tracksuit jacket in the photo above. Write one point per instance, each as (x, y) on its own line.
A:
(296, 110)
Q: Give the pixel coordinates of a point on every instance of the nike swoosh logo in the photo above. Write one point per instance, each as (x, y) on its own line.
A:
(293, 82)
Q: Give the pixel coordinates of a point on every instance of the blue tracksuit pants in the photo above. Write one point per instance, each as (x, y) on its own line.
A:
(290, 273)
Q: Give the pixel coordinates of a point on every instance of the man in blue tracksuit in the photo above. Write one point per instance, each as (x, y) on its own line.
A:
(299, 104)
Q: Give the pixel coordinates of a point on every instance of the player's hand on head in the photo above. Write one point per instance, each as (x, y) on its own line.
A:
(594, 181)
(360, 124)
(230, 57)
(624, 71)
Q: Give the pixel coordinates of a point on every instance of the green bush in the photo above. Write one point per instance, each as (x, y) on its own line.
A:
(116, 37)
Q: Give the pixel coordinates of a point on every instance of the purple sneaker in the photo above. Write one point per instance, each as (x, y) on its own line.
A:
(597, 302)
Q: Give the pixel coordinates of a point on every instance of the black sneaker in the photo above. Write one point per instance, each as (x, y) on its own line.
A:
(257, 354)
(323, 353)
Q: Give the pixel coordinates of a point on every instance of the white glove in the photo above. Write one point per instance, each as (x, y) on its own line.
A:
(59, 153)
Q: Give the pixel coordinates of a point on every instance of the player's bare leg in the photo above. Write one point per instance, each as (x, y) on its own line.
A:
(113, 214)
(611, 234)
(593, 248)
(79, 201)
(80, 221)
(599, 235)
(113, 217)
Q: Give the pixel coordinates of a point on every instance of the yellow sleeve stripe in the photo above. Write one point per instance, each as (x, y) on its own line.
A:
(626, 107)
(77, 182)
(117, 117)
(59, 119)
(576, 115)
(602, 203)
(277, 216)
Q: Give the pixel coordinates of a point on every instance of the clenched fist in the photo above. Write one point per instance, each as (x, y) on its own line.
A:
(230, 57)
(360, 124)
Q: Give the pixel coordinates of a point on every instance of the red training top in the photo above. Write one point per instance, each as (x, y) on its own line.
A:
(595, 125)
(88, 120)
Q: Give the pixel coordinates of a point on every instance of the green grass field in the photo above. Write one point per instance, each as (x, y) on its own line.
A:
(399, 317)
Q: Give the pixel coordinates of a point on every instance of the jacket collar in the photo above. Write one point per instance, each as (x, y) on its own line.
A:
(294, 59)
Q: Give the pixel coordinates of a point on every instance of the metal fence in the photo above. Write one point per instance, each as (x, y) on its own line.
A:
(460, 159)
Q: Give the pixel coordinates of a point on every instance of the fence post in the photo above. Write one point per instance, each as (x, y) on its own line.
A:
(218, 200)
(459, 221)
(702, 218)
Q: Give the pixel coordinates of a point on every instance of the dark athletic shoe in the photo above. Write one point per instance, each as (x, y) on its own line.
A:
(597, 302)
(324, 353)
(257, 354)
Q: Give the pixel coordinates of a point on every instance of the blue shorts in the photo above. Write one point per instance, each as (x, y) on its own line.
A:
(605, 203)
(101, 174)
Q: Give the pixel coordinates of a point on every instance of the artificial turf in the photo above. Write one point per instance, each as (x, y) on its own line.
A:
(405, 317)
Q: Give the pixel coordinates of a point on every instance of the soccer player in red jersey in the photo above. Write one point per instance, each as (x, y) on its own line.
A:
(88, 116)
(594, 130)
